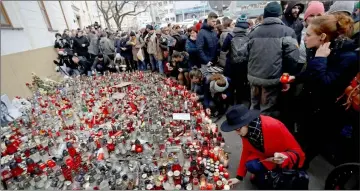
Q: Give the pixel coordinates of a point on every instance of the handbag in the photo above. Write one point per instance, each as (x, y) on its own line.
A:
(352, 94)
(287, 179)
(139, 55)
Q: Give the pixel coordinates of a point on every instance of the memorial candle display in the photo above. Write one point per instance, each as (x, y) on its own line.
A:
(112, 132)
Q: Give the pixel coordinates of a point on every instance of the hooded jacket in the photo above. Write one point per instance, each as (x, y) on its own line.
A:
(207, 43)
(290, 21)
(272, 51)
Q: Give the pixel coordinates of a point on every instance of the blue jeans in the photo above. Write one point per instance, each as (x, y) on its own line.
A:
(160, 66)
(142, 65)
(153, 62)
(258, 169)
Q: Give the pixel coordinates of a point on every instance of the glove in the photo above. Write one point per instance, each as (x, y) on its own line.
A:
(233, 181)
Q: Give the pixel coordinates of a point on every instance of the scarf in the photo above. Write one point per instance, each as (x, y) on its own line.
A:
(214, 88)
(255, 135)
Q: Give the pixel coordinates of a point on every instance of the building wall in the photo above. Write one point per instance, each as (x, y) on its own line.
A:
(28, 45)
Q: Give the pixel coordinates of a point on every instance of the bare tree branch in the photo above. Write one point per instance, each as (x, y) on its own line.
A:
(105, 11)
(119, 13)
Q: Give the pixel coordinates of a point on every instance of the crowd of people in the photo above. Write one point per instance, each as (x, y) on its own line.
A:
(318, 56)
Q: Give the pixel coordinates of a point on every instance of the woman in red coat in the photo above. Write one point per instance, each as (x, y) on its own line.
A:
(262, 137)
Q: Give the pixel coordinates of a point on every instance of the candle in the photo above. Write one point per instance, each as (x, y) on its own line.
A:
(221, 168)
(216, 176)
(226, 175)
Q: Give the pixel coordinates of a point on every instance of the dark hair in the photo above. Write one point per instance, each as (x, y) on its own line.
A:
(57, 34)
(212, 15)
(218, 22)
(100, 55)
(219, 27)
(227, 22)
(132, 33)
(192, 29)
(177, 54)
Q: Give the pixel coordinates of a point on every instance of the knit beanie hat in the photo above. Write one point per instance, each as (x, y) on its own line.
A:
(314, 8)
(272, 9)
(342, 6)
(241, 22)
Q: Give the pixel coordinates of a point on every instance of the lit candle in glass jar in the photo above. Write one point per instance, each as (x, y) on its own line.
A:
(216, 176)
(221, 168)
(226, 175)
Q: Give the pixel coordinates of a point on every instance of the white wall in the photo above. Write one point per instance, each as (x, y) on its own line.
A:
(34, 33)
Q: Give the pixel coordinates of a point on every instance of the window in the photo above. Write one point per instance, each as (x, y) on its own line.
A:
(5, 21)
(165, 2)
(160, 4)
(171, 10)
(45, 15)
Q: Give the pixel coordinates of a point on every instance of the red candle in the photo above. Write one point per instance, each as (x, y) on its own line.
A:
(216, 176)
(226, 175)
(221, 168)
(209, 186)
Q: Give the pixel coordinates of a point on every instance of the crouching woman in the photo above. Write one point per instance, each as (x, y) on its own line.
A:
(263, 137)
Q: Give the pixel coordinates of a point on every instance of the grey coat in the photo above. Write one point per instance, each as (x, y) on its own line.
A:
(94, 44)
(106, 46)
(273, 50)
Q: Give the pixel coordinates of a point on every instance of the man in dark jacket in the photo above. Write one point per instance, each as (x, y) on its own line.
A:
(103, 63)
(273, 50)
(81, 45)
(291, 18)
(207, 41)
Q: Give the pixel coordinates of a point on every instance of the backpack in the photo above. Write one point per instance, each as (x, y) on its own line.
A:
(239, 52)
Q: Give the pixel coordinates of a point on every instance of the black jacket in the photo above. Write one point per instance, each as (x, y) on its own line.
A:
(290, 21)
(325, 79)
(272, 51)
(207, 44)
(78, 48)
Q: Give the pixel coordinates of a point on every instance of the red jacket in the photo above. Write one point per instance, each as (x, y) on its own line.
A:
(277, 138)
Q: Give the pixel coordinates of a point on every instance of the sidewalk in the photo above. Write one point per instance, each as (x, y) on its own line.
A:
(319, 168)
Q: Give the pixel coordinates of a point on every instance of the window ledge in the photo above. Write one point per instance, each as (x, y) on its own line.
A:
(11, 28)
(52, 30)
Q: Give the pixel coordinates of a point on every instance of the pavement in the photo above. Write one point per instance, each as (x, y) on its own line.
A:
(318, 171)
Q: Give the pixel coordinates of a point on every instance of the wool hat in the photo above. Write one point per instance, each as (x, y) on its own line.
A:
(314, 8)
(100, 55)
(132, 33)
(237, 117)
(272, 9)
(342, 6)
(242, 22)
